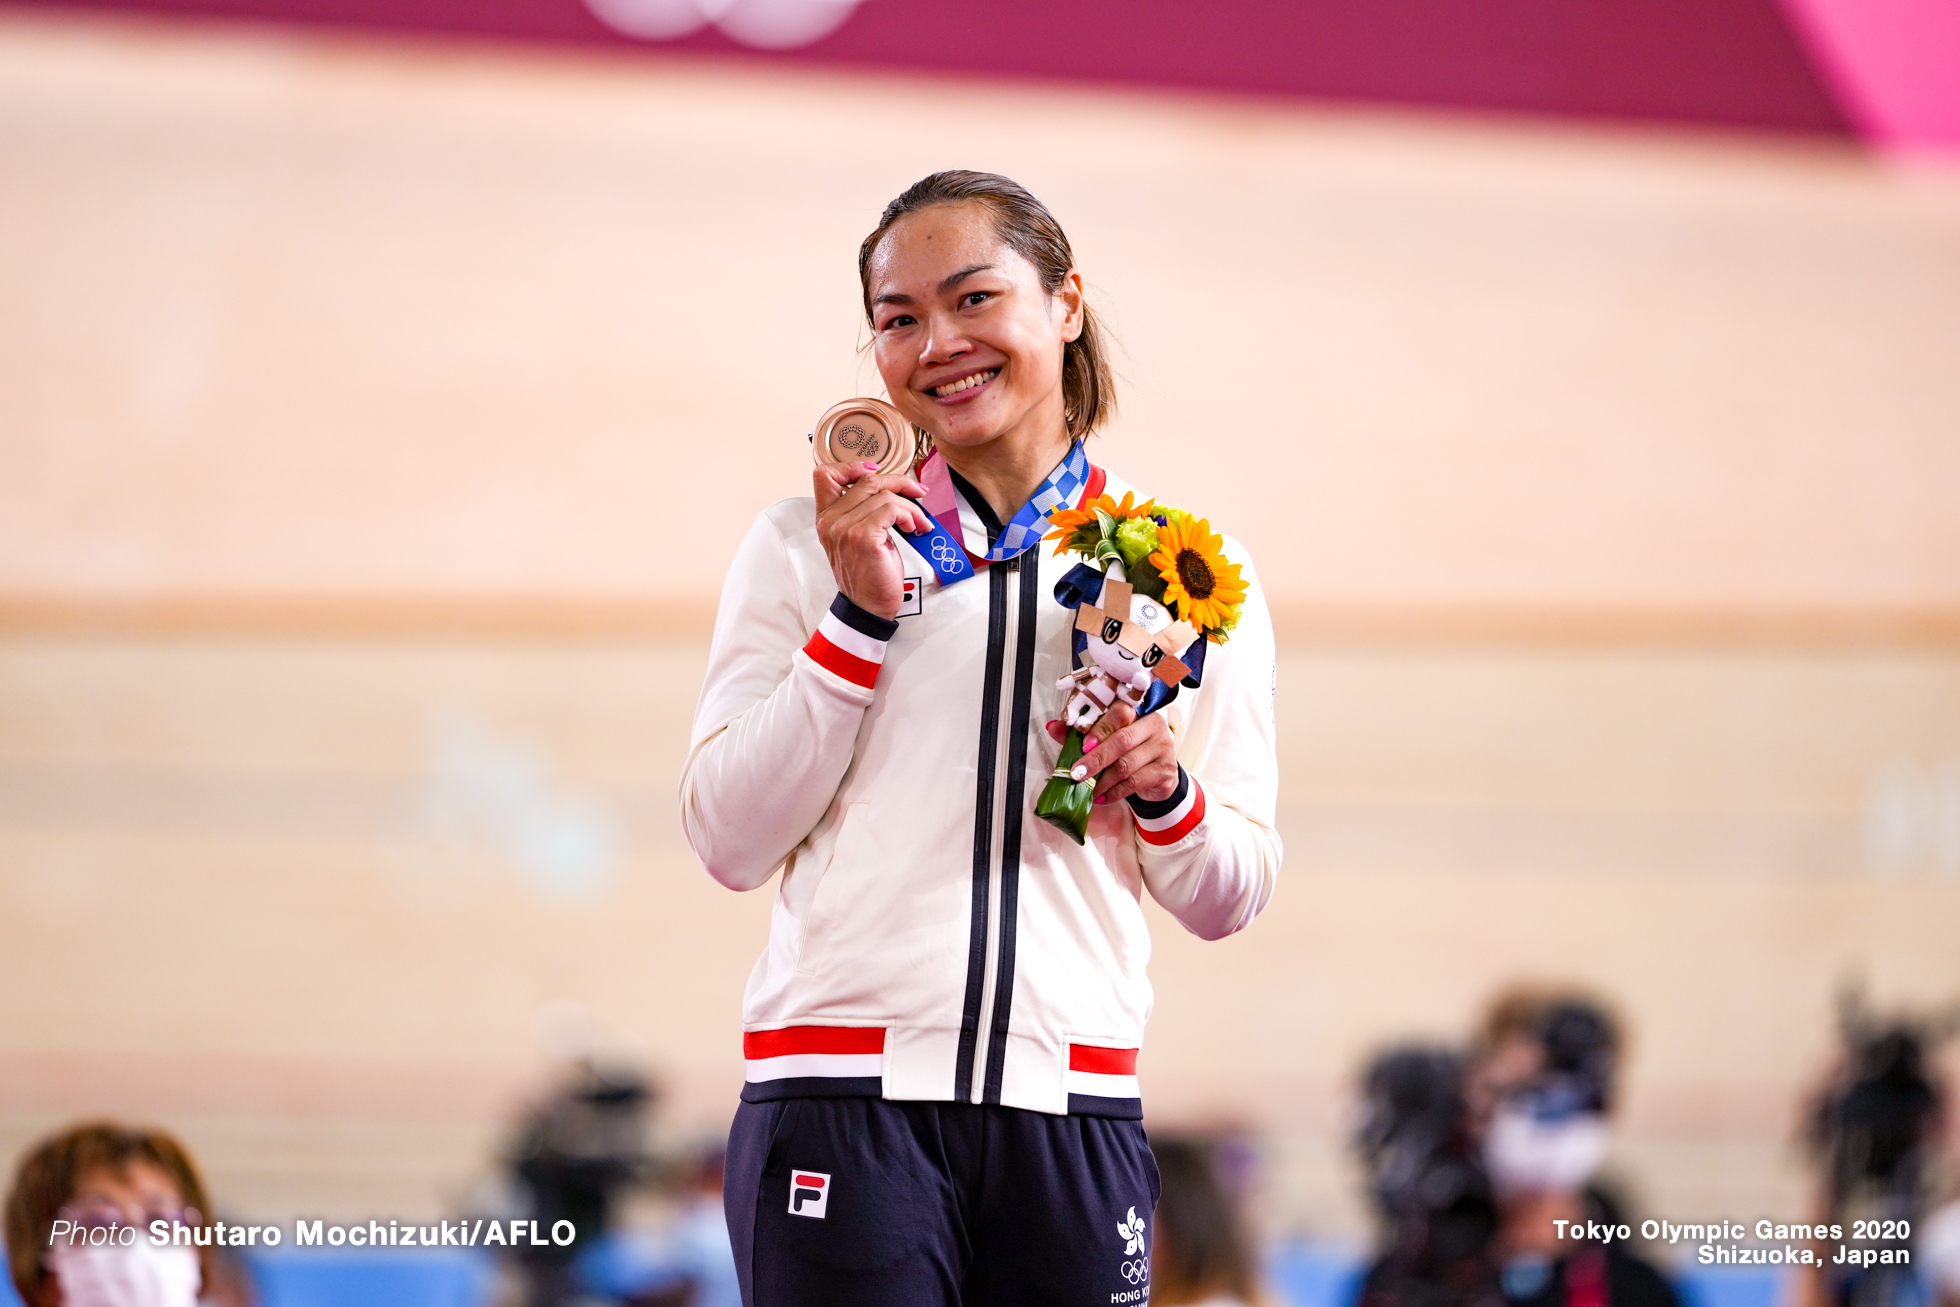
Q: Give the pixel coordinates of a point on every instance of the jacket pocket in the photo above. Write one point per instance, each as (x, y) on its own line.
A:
(776, 1161)
(830, 900)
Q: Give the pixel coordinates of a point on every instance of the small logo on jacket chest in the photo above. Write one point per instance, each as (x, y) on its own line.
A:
(912, 603)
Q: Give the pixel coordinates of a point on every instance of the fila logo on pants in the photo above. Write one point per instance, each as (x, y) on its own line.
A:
(809, 1193)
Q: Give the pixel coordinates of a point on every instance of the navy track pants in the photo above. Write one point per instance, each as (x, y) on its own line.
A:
(860, 1202)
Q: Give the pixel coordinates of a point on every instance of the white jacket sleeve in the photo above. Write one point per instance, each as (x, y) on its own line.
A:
(777, 723)
(1210, 853)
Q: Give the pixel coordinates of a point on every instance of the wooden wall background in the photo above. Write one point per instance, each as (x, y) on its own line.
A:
(376, 420)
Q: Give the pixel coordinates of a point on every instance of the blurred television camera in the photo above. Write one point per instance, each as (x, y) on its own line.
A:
(1433, 1198)
(1873, 1132)
(571, 1160)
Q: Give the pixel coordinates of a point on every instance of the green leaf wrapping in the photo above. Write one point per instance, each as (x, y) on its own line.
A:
(1066, 804)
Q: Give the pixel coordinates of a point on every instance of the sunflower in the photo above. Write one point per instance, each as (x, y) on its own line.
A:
(1066, 522)
(1197, 578)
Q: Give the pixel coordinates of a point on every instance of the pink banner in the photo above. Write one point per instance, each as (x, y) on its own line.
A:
(1731, 62)
(1893, 64)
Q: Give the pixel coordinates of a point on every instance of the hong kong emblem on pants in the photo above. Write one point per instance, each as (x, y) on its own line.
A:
(1136, 1269)
(809, 1193)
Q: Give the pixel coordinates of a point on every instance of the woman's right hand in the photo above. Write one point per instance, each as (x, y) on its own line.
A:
(856, 509)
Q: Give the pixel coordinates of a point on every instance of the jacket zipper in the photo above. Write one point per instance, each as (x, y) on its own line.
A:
(998, 812)
(977, 960)
(1014, 808)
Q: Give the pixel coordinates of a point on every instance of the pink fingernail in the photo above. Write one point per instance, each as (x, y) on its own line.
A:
(1090, 747)
(869, 467)
(1100, 800)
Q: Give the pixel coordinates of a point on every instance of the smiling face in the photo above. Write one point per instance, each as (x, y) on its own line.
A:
(967, 341)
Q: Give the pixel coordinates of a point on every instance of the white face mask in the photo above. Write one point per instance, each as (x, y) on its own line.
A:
(1527, 1155)
(139, 1275)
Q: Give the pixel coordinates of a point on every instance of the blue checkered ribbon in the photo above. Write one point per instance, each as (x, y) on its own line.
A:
(947, 557)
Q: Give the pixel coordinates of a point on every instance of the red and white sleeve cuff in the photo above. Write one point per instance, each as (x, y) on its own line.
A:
(1170, 820)
(851, 642)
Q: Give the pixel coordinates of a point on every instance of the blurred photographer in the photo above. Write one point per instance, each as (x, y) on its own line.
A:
(1473, 1161)
(1540, 1090)
(1873, 1132)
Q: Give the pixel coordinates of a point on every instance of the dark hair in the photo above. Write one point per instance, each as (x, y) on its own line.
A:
(1024, 223)
(1201, 1248)
(45, 1181)
(1577, 1033)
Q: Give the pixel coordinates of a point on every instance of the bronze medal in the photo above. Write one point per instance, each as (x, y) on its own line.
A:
(865, 431)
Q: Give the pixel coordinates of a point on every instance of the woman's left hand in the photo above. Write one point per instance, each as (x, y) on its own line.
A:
(1128, 755)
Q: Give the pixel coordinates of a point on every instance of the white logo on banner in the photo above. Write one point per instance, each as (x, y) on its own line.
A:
(809, 1193)
(763, 24)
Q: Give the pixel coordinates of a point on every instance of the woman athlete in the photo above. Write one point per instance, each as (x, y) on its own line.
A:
(940, 1040)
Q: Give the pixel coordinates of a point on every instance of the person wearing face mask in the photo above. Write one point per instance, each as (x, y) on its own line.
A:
(941, 1103)
(1539, 1091)
(102, 1178)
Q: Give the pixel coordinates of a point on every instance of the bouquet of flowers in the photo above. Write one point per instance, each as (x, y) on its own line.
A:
(1155, 588)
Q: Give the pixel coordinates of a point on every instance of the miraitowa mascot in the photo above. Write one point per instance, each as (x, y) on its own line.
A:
(1127, 648)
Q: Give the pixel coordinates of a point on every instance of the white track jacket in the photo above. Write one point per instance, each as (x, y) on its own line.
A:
(932, 939)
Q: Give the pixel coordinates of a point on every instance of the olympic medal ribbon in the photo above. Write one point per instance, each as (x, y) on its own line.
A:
(941, 551)
(942, 546)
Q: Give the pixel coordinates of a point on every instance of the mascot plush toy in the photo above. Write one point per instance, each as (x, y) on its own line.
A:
(1131, 641)
(1155, 590)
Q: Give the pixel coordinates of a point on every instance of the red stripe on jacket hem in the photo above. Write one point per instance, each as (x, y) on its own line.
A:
(791, 1040)
(1102, 1061)
(856, 670)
